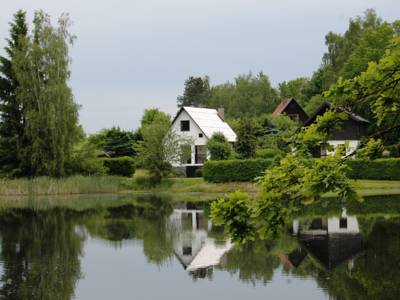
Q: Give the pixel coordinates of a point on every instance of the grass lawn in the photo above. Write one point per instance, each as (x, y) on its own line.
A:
(198, 185)
(179, 188)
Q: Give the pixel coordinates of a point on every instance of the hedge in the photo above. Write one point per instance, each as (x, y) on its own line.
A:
(121, 166)
(378, 169)
(235, 170)
(268, 153)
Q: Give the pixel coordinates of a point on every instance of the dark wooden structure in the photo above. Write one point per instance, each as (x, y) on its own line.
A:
(289, 107)
(354, 128)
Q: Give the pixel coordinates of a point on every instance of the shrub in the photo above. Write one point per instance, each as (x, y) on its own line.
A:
(122, 166)
(83, 161)
(379, 169)
(394, 150)
(219, 147)
(268, 153)
(235, 170)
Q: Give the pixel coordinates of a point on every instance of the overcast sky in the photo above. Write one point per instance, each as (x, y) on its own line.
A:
(135, 54)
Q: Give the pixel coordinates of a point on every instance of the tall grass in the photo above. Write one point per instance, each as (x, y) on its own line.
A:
(63, 186)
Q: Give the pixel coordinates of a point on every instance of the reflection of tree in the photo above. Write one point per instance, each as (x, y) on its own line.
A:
(254, 262)
(40, 252)
(146, 222)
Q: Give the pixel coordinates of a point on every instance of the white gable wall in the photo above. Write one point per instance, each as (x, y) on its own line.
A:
(193, 134)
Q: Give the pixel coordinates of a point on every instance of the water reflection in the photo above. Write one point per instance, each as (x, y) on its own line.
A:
(332, 241)
(349, 254)
(192, 246)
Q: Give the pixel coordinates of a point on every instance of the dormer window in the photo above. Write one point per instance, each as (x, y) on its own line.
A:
(185, 125)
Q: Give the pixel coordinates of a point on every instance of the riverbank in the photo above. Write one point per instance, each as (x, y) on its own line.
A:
(179, 187)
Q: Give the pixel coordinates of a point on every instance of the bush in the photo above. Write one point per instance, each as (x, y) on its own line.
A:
(121, 166)
(378, 169)
(218, 147)
(394, 150)
(235, 170)
(268, 153)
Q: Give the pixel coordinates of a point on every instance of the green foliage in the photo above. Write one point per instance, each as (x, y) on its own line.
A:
(249, 94)
(121, 166)
(378, 169)
(41, 67)
(372, 150)
(219, 147)
(116, 142)
(318, 133)
(376, 89)
(234, 213)
(275, 131)
(246, 138)
(154, 115)
(84, 160)
(268, 153)
(393, 150)
(160, 146)
(235, 170)
(298, 180)
(313, 104)
(11, 125)
(296, 89)
(197, 91)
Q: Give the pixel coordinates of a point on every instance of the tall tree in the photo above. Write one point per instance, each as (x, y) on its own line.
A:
(49, 111)
(250, 95)
(196, 92)
(295, 88)
(11, 122)
(247, 138)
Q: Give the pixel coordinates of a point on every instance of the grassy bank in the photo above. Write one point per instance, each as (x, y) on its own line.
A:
(179, 188)
(62, 186)
(198, 185)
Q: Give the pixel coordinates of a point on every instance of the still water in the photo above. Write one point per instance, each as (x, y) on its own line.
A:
(153, 249)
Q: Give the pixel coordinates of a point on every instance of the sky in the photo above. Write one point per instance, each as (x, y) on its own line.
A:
(136, 54)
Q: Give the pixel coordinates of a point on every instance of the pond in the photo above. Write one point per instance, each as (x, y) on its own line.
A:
(152, 248)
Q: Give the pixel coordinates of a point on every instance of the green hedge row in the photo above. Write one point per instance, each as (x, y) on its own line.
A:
(120, 166)
(235, 170)
(378, 169)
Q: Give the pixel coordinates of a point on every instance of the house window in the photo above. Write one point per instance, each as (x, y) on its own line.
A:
(343, 223)
(185, 125)
(200, 135)
(187, 250)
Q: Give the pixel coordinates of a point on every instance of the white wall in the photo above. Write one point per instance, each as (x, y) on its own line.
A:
(193, 134)
(352, 226)
(352, 145)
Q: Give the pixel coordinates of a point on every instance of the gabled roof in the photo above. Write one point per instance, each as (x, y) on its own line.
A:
(325, 106)
(291, 108)
(209, 122)
(281, 107)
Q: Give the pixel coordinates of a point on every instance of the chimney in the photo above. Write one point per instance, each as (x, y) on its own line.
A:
(221, 113)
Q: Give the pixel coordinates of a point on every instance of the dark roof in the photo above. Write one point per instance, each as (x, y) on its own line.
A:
(325, 106)
(331, 251)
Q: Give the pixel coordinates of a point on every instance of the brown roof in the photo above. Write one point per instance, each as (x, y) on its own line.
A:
(281, 107)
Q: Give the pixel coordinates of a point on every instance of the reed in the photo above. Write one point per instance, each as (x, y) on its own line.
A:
(63, 186)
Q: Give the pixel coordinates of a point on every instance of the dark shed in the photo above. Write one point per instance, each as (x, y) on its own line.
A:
(354, 128)
(292, 109)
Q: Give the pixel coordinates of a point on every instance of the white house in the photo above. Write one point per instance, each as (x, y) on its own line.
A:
(198, 125)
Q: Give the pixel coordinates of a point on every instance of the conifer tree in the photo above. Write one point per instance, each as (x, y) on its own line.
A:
(11, 118)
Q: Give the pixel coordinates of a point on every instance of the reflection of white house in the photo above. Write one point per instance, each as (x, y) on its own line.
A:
(192, 246)
(328, 226)
(332, 241)
(199, 124)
